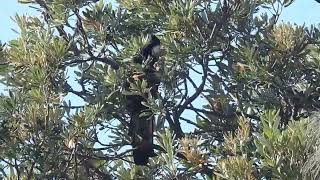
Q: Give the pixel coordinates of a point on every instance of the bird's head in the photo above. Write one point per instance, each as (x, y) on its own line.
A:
(155, 44)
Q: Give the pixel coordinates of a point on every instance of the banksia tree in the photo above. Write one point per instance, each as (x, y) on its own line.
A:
(230, 94)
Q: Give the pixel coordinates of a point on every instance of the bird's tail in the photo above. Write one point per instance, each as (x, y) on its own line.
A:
(142, 153)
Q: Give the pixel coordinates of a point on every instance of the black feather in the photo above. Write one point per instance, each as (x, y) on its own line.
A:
(141, 127)
(147, 50)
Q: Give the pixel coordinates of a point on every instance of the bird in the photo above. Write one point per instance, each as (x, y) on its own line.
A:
(141, 127)
(151, 50)
(143, 141)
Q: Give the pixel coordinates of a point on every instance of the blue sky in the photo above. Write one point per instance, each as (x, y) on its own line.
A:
(8, 9)
(302, 11)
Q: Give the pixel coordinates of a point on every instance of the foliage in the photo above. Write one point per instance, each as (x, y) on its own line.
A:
(237, 98)
(278, 154)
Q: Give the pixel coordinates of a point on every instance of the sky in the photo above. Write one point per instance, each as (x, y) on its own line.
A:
(8, 10)
(300, 12)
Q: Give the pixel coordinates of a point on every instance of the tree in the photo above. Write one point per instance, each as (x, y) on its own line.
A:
(245, 85)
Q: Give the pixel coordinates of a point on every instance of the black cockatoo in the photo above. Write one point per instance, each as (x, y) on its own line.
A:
(141, 127)
(150, 51)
